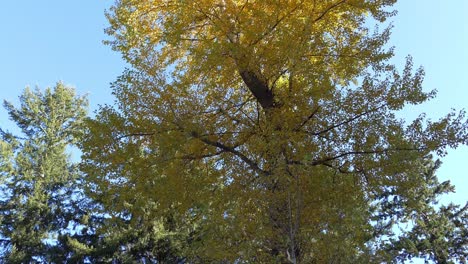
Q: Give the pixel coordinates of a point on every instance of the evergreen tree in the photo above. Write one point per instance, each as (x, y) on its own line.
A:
(437, 233)
(39, 206)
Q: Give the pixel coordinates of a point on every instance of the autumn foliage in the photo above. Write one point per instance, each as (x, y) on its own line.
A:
(266, 132)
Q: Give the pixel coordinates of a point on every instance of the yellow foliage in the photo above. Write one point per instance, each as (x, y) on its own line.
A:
(272, 120)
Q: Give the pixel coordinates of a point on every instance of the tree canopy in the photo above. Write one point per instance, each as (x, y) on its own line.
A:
(272, 123)
(243, 131)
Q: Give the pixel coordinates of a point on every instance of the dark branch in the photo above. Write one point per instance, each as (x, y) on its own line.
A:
(253, 165)
(339, 169)
(259, 89)
(325, 161)
(275, 25)
(322, 15)
(365, 152)
(347, 121)
(201, 156)
(308, 119)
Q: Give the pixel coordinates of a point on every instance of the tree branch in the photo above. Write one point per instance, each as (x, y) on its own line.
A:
(348, 120)
(322, 15)
(201, 156)
(308, 119)
(259, 88)
(275, 25)
(364, 152)
(325, 161)
(253, 165)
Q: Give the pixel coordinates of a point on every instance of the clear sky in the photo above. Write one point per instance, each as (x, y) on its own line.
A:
(43, 42)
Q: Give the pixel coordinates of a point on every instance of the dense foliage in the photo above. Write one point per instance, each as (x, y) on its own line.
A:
(40, 200)
(244, 132)
(269, 129)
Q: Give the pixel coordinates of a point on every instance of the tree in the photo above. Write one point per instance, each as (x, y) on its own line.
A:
(272, 122)
(438, 234)
(125, 227)
(39, 206)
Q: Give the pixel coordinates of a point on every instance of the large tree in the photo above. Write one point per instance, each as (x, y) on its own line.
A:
(271, 123)
(40, 201)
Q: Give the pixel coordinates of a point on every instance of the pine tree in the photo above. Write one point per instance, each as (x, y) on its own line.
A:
(39, 206)
(437, 233)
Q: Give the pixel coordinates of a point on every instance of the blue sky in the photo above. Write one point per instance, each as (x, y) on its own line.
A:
(47, 41)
